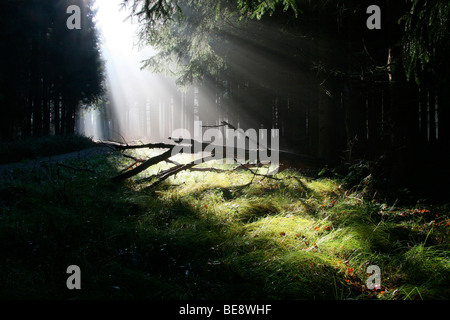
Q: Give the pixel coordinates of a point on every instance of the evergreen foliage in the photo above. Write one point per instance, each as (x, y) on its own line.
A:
(46, 70)
(426, 44)
(352, 85)
(186, 33)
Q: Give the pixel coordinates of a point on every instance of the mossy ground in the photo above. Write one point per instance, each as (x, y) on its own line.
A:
(205, 235)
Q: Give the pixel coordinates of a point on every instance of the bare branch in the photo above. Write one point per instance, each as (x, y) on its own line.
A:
(133, 158)
(173, 171)
(247, 168)
(59, 164)
(192, 146)
(145, 146)
(150, 162)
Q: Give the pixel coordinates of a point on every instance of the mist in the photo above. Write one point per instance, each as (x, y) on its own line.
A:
(140, 105)
(149, 107)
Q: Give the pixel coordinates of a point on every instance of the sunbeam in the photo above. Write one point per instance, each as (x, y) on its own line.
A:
(143, 106)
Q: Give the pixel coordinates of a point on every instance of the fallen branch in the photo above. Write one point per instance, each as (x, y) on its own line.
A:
(259, 174)
(59, 164)
(145, 146)
(247, 151)
(147, 164)
(193, 146)
(217, 170)
(174, 170)
(136, 161)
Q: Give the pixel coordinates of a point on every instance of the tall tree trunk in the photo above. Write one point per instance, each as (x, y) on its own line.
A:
(56, 109)
(26, 122)
(45, 108)
(325, 107)
(70, 116)
(63, 115)
(36, 90)
(443, 96)
(401, 96)
(326, 148)
(403, 124)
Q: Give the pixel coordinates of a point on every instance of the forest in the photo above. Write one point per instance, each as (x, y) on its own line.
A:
(117, 172)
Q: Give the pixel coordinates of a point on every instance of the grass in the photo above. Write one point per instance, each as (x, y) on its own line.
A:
(213, 236)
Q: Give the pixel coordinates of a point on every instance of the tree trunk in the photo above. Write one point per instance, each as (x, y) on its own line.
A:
(36, 99)
(403, 136)
(70, 117)
(325, 107)
(63, 115)
(402, 110)
(56, 111)
(46, 108)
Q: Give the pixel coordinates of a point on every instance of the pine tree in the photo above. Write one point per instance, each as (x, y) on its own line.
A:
(46, 70)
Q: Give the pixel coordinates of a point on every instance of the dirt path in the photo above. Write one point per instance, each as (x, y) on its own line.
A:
(9, 169)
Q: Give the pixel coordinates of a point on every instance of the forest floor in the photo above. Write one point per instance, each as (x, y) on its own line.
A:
(44, 161)
(207, 235)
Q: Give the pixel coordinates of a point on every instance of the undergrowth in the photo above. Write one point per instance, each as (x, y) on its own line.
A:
(205, 235)
(32, 148)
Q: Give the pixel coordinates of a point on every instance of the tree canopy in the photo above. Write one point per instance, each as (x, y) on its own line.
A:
(357, 92)
(185, 32)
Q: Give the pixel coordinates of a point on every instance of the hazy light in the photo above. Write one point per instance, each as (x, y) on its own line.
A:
(149, 107)
(140, 102)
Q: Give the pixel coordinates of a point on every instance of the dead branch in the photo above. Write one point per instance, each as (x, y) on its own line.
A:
(136, 161)
(133, 158)
(216, 125)
(192, 146)
(59, 164)
(147, 164)
(255, 174)
(226, 124)
(174, 170)
(228, 152)
(123, 147)
(216, 170)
